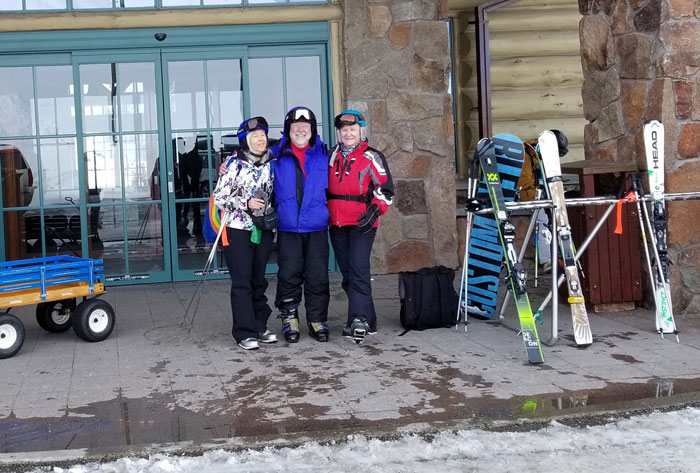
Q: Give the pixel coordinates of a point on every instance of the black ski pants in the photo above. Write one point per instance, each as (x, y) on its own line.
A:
(246, 264)
(303, 261)
(352, 250)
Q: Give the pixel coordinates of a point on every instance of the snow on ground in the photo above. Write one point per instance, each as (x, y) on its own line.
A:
(659, 442)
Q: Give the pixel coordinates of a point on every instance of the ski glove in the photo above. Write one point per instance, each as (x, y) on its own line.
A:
(366, 220)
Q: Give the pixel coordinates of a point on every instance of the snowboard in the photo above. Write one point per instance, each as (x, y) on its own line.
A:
(485, 251)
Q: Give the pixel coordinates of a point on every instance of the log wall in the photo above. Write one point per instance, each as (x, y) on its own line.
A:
(536, 74)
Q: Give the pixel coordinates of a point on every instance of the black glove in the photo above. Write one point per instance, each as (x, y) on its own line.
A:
(366, 220)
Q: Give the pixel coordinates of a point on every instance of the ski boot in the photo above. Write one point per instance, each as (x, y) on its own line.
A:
(290, 323)
(347, 331)
(319, 330)
(357, 330)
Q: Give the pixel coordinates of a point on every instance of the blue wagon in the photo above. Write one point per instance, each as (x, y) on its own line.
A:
(54, 284)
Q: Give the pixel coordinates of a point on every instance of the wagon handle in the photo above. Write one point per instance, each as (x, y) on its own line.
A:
(43, 283)
(92, 286)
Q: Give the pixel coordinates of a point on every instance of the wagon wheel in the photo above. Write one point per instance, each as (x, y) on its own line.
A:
(11, 335)
(93, 320)
(55, 316)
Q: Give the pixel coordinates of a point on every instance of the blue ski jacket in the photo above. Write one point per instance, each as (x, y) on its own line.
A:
(300, 200)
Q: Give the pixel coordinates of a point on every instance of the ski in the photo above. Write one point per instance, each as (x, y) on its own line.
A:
(549, 151)
(654, 147)
(488, 151)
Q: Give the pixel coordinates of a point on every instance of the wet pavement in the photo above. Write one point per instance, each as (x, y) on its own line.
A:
(152, 382)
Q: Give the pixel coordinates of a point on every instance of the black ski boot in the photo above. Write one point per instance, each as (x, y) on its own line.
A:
(358, 329)
(290, 323)
(319, 330)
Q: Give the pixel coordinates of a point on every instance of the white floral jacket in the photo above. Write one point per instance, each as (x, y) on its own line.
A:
(243, 181)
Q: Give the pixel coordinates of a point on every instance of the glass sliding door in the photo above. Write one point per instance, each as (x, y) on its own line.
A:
(122, 142)
(38, 160)
(204, 107)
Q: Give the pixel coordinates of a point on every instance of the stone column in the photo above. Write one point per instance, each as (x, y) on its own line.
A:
(397, 65)
(641, 61)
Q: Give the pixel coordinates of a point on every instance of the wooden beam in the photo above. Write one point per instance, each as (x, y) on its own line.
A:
(90, 20)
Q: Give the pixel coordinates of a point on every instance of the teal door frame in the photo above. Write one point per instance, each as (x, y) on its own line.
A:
(171, 55)
(139, 45)
(141, 56)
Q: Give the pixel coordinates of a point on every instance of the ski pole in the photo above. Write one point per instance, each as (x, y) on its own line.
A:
(202, 279)
(537, 250)
(471, 207)
(659, 271)
(645, 244)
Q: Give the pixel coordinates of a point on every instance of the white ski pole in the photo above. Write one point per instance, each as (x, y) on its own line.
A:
(205, 273)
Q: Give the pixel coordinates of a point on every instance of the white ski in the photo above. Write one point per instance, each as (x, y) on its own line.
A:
(549, 153)
(654, 147)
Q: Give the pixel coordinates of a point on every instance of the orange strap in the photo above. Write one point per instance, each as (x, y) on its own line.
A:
(618, 207)
(224, 238)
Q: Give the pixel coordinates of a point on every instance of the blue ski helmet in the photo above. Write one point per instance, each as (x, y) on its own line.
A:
(251, 124)
(351, 117)
(301, 114)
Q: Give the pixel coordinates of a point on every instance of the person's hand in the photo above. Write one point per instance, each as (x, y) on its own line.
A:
(366, 220)
(223, 169)
(256, 204)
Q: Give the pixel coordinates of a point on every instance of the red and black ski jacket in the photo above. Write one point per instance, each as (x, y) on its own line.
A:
(357, 181)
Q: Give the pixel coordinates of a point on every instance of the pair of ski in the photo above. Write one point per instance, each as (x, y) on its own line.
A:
(489, 153)
(658, 271)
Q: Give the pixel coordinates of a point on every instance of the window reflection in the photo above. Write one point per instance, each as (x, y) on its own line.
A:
(180, 3)
(145, 236)
(98, 87)
(303, 77)
(11, 5)
(46, 4)
(137, 97)
(140, 160)
(225, 88)
(18, 165)
(186, 84)
(54, 87)
(103, 167)
(59, 173)
(135, 3)
(110, 222)
(223, 2)
(93, 3)
(17, 241)
(266, 89)
(17, 95)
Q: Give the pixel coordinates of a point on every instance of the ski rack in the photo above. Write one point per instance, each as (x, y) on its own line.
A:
(553, 295)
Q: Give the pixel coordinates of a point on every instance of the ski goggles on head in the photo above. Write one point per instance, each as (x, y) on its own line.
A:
(299, 114)
(252, 124)
(347, 119)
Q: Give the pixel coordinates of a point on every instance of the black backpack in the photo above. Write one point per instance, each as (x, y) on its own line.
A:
(428, 298)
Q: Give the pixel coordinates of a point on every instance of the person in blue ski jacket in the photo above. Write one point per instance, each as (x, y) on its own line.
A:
(300, 187)
(301, 180)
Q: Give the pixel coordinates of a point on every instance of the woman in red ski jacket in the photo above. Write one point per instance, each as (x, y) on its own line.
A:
(360, 189)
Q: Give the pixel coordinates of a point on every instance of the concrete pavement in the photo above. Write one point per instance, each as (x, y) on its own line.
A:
(153, 382)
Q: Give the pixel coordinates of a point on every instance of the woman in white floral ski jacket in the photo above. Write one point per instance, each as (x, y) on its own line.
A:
(244, 190)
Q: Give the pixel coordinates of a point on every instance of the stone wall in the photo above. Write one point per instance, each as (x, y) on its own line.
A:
(641, 61)
(397, 66)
